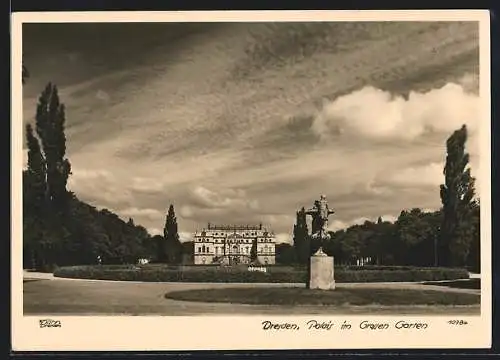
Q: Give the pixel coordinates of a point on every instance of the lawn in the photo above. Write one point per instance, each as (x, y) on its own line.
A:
(339, 296)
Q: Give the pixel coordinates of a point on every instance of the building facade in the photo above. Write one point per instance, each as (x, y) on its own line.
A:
(232, 245)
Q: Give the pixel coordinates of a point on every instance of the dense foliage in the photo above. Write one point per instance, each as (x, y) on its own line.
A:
(412, 239)
(276, 274)
(449, 236)
(58, 228)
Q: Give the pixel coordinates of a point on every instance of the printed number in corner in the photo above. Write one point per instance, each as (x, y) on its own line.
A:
(49, 323)
(457, 322)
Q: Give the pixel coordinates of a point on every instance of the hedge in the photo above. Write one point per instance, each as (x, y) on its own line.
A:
(274, 274)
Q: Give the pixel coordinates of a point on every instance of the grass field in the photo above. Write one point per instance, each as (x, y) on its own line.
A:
(340, 297)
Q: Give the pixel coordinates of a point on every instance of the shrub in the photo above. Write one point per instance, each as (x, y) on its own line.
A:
(275, 274)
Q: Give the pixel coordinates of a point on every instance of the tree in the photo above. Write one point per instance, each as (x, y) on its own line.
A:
(188, 252)
(285, 254)
(36, 173)
(301, 239)
(58, 228)
(24, 74)
(416, 234)
(457, 197)
(474, 259)
(159, 244)
(50, 120)
(253, 252)
(171, 235)
(34, 189)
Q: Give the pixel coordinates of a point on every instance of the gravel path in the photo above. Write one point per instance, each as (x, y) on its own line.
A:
(45, 294)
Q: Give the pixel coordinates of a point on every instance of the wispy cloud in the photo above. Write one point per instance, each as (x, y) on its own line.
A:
(246, 123)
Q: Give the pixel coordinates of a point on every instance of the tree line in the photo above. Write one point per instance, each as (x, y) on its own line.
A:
(58, 228)
(448, 237)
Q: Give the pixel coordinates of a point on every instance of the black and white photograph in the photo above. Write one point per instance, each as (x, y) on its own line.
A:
(300, 175)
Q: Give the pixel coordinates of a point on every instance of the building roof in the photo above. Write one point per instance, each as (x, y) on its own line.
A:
(234, 227)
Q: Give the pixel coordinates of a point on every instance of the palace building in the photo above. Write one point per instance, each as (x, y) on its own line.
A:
(232, 245)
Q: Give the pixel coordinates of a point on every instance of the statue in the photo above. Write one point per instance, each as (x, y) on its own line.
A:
(320, 213)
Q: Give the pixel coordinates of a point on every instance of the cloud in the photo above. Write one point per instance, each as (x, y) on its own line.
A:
(133, 212)
(284, 238)
(372, 113)
(425, 175)
(144, 184)
(228, 198)
(187, 212)
(185, 236)
(102, 95)
(155, 231)
(470, 82)
(336, 225)
(178, 128)
(389, 218)
(213, 205)
(97, 186)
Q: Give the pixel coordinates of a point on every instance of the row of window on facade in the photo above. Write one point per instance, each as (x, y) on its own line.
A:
(224, 234)
(204, 261)
(246, 250)
(231, 239)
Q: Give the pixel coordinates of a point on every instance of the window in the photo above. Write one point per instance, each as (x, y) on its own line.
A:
(203, 248)
(199, 249)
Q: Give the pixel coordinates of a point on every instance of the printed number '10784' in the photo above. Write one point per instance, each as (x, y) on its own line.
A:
(457, 322)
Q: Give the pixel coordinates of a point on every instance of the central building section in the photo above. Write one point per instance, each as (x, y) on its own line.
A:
(232, 245)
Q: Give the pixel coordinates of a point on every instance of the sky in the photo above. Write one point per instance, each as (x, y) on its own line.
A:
(245, 123)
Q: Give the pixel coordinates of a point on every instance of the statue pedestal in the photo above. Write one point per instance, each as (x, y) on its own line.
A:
(322, 271)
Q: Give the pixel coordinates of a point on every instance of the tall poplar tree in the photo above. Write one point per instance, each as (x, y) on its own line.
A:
(301, 239)
(171, 235)
(50, 121)
(457, 197)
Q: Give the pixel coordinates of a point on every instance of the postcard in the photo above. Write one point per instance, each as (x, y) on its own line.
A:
(282, 179)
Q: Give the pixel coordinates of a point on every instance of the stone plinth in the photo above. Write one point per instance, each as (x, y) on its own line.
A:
(321, 275)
